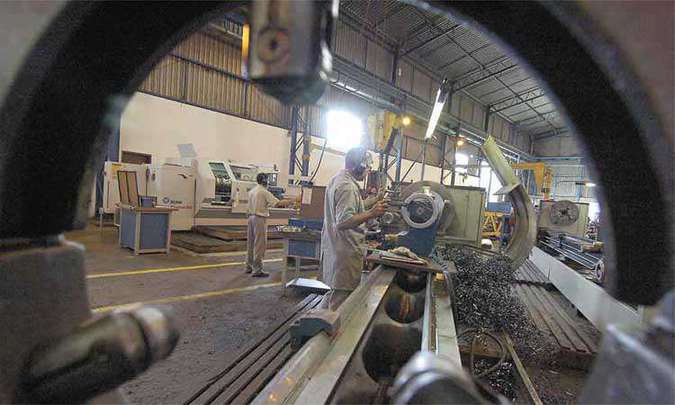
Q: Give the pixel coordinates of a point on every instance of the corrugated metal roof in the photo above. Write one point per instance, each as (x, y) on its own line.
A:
(452, 51)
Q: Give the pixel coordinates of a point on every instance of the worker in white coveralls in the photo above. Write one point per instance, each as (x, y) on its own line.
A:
(343, 242)
(259, 202)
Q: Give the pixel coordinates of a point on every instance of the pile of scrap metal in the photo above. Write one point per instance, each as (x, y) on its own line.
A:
(585, 253)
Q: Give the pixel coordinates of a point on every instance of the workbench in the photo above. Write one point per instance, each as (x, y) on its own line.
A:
(145, 229)
(302, 246)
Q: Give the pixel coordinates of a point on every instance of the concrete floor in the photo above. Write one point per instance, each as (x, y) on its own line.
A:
(219, 308)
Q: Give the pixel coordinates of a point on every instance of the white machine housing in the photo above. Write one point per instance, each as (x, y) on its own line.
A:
(221, 183)
(576, 227)
(466, 225)
(174, 186)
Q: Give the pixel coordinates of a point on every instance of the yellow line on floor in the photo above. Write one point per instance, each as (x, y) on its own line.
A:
(172, 269)
(191, 297)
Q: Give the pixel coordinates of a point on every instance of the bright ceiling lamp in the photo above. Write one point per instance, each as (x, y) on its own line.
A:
(441, 98)
(345, 130)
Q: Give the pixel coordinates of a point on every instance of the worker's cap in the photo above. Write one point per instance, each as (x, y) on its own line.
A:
(358, 156)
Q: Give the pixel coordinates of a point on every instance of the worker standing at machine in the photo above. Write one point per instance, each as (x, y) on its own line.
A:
(259, 202)
(343, 242)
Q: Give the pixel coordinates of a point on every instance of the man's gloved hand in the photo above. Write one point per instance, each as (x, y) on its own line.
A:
(378, 209)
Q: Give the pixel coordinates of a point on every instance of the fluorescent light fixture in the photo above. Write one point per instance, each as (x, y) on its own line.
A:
(441, 97)
(345, 130)
(589, 184)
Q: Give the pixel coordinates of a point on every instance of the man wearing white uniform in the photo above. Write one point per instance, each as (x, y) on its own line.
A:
(343, 242)
(259, 202)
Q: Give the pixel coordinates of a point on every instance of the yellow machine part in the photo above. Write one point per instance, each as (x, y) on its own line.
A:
(543, 176)
(492, 224)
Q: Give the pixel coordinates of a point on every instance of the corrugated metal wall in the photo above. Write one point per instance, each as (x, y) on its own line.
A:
(205, 70)
(564, 177)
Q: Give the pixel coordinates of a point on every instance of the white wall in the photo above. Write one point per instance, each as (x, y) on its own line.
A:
(155, 125)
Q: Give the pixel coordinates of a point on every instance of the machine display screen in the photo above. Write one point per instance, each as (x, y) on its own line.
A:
(219, 170)
(244, 173)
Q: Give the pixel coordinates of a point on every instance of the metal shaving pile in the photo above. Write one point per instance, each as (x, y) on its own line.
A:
(501, 380)
(485, 301)
(483, 291)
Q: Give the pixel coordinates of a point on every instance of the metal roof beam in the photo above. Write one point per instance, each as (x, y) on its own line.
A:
(549, 134)
(356, 23)
(441, 35)
(483, 76)
(480, 48)
(539, 117)
(512, 97)
(479, 63)
(395, 10)
(383, 94)
(520, 99)
(502, 89)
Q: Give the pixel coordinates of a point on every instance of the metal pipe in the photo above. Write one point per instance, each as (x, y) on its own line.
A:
(98, 356)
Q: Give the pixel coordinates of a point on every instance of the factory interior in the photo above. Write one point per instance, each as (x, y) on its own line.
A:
(514, 173)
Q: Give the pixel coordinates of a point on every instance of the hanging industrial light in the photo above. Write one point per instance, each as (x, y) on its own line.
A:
(441, 98)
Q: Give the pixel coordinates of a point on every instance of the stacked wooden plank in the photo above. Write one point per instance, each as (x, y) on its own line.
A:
(199, 243)
(255, 365)
(576, 346)
(232, 233)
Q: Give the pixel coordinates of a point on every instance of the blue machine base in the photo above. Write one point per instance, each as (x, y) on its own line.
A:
(420, 241)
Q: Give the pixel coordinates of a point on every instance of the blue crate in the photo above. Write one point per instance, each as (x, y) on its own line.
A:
(503, 207)
(304, 248)
(315, 224)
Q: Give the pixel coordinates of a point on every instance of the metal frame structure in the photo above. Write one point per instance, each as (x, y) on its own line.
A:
(74, 60)
(475, 65)
(301, 145)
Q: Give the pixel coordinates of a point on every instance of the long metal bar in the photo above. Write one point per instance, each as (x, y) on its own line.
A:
(294, 141)
(443, 160)
(310, 375)
(453, 161)
(399, 157)
(447, 344)
(424, 159)
(306, 142)
(589, 298)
